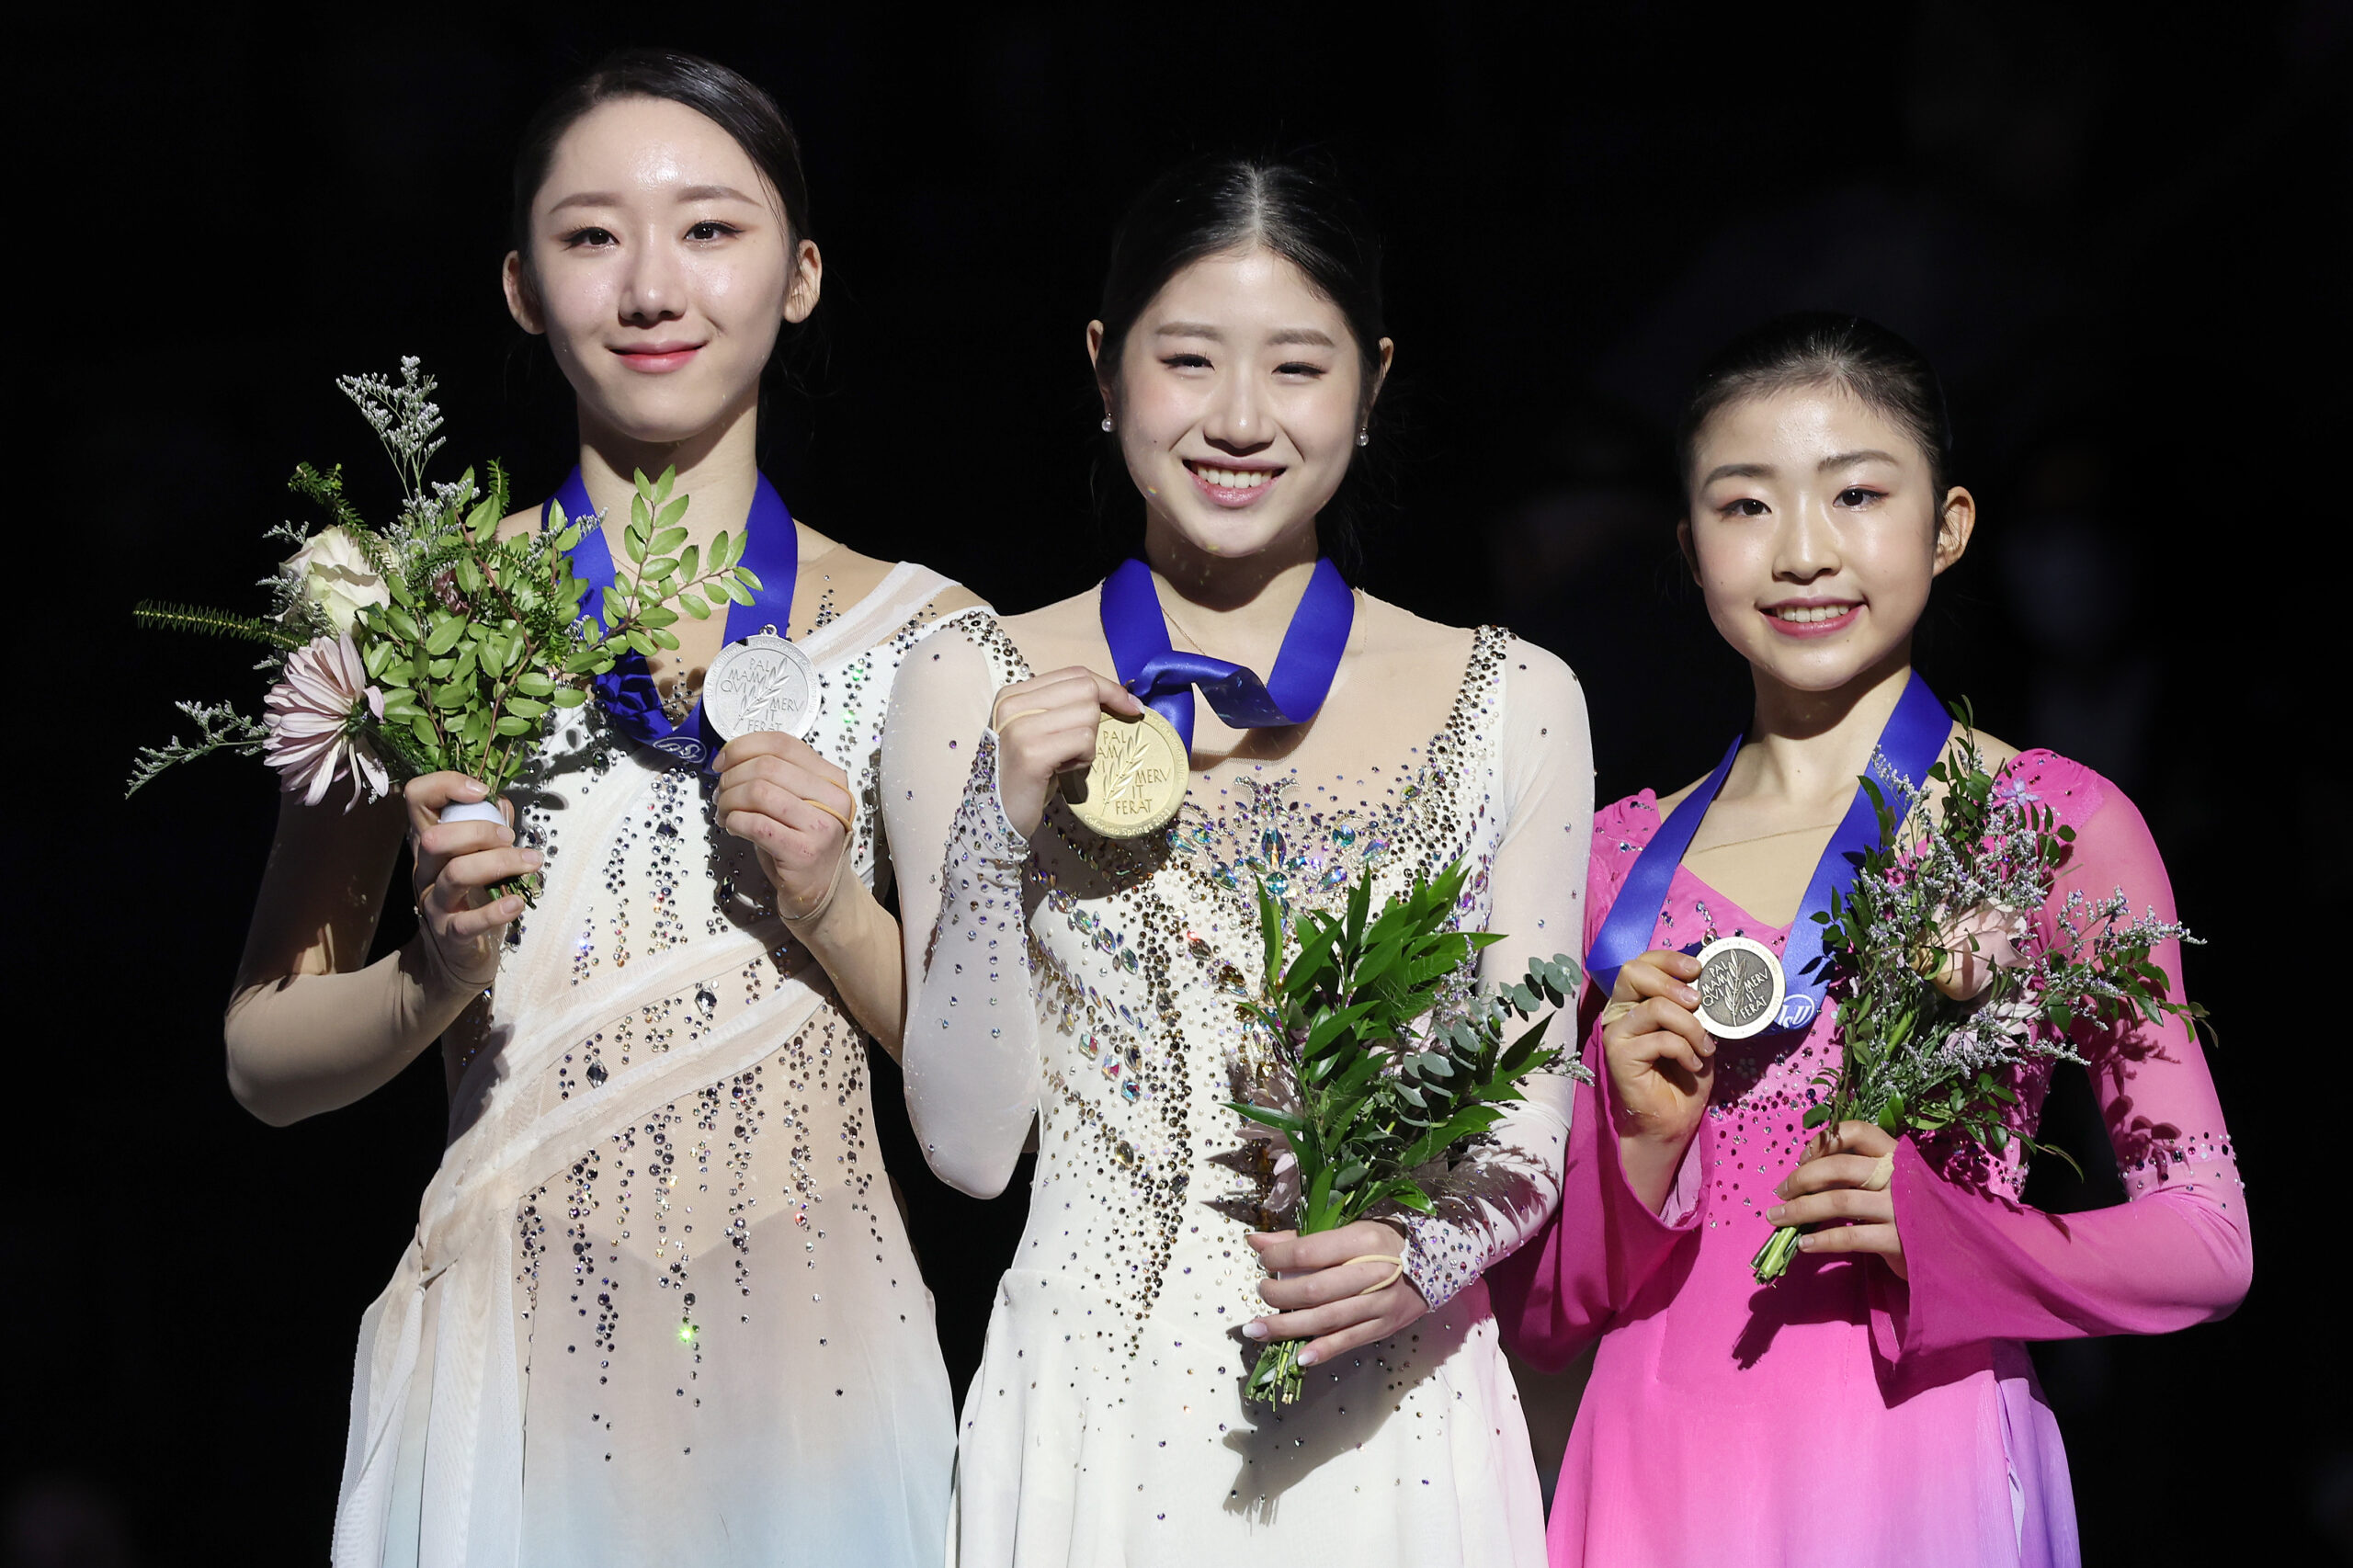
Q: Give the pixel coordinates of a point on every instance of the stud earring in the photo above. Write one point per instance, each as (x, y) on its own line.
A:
(1107, 423)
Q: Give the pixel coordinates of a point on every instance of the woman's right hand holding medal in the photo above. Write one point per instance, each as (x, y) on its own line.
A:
(456, 862)
(1662, 1067)
(1045, 726)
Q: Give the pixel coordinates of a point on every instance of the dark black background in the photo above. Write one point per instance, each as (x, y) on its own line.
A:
(2116, 229)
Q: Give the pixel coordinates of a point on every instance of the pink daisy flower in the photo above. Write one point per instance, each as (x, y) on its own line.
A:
(313, 716)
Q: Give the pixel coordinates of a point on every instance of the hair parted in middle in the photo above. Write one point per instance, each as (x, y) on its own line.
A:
(1298, 208)
(1823, 348)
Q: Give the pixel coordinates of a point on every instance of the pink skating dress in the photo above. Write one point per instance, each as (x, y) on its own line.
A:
(1843, 1416)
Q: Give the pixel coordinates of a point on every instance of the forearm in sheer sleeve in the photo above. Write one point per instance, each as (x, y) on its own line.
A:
(305, 1043)
(1499, 1195)
(972, 1032)
(1604, 1246)
(2176, 1252)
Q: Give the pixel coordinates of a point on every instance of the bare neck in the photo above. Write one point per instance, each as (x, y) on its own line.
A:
(1231, 607)
(718, 467)
(1806, 748)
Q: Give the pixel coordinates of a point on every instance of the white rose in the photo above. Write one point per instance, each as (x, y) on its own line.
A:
(337, 577)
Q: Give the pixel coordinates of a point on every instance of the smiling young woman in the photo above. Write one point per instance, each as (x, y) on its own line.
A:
(660, 1226)
(1875, 1404)
(1081, 984)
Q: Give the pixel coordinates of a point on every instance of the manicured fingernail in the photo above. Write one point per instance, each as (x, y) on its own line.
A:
(1775, 1212)
(1781, 1187)
(537, 860)
(1309, 1357)
(1687, 996)
(474, 787)
(1805, 1244)
(1254, 1331)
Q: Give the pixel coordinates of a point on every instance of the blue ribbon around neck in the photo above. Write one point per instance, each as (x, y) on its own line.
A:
(1912, 741)
(1292, 693)
(627, 692)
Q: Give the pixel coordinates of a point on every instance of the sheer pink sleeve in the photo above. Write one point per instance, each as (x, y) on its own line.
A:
(1603, 1247)
(2177, 1250)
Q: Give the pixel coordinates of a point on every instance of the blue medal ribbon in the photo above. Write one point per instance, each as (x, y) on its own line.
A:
(627, 692)
(1291, 694)
(1912, 741)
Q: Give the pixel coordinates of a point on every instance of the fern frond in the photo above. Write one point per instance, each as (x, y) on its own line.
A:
(162, 616)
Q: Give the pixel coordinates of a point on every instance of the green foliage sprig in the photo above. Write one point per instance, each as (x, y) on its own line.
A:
(469, 640)
(1398, 1061)
(1944, 990)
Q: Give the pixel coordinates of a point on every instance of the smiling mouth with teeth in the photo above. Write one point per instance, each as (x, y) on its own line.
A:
(1804, 615)
(1234, 477)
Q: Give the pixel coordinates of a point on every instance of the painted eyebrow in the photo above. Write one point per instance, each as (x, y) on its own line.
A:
(1870, 454)
(1306, 336)
(692, 193)
(1739, 470)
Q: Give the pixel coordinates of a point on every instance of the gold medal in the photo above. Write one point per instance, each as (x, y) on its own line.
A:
(1137, 780)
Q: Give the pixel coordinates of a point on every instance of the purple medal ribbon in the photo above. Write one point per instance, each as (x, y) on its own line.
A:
(1150, 668)
(627, 692)
(1912, 741)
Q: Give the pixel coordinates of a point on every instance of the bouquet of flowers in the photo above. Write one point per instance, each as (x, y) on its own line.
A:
(1943, 987)
(430, 642)
(1397, 1059)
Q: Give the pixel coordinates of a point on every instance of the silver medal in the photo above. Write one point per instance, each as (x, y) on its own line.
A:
(1741, 987)
(760, 682)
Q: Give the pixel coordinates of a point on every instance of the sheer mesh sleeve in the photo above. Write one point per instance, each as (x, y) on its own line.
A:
(2177, 1250)
(1498, 1195)
(1557, 1294)
(972, 1032)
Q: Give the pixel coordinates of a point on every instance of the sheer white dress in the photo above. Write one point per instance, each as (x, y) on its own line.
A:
(1086, 984)
(660, 1307)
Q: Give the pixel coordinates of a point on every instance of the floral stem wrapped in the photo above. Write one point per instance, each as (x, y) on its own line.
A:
(432, 643)
(1397, 1061)
(1944, 990)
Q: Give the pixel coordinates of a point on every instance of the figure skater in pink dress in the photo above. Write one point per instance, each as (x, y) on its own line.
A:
(1876, 1405)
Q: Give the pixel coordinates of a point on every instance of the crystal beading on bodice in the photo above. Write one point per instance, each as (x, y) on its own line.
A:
(1092, 986)
(662, 1223)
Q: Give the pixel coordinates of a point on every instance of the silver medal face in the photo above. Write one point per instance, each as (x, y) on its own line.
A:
(760, 682)
(1741, 987)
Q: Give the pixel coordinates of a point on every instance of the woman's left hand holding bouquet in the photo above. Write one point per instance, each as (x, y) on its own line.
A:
(1320, 1295)
(1843, 1186)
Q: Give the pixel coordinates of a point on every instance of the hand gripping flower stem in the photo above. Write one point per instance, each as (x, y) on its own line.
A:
(1397, 1062)
(1943, 993)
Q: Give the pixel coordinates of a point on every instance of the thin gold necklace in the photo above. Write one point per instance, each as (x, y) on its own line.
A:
(1784, 833)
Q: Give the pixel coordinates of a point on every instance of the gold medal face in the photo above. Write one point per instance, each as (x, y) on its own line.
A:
(1137, 780)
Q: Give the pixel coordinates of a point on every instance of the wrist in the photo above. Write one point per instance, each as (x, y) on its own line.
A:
(1650, 1164)
(840, 915)
(442, 991)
